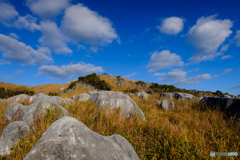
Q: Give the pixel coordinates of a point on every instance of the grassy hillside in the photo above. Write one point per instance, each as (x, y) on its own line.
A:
(186, 132)
(183, 133)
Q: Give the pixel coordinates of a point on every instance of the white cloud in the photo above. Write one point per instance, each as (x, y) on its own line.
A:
(81, 24)
(53, 38)
(65, 72)
(226, 57)
(195, 70)
(129, 75)
(171, 25)
(13, 50)
(2, 62)
(173, 75)
(79, 47)
(14, 35)
(20, 72)
(158, 74)
(206, 36)
(7, 13)
(224, 48)
(235, 86)
(28, 22)
(47, 8)
(94, 49)
(192, 80)
(227, 70)
(215, 75)
(237, 38)
(163, 59)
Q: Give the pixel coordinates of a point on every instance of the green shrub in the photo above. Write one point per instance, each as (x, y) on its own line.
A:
(72, 85)
(53, 94)
(11, 92)
(95, 81)
(2, 89)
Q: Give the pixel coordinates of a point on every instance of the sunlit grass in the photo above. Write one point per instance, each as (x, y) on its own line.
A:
(183, 133)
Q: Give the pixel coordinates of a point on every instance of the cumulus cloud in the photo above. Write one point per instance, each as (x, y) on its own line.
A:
(237, 38)
(16, 51)
(158, 74)
(53, 38)
(20, 72)
(28, 22)
(65, 72)
(47, 8)
(235, 86)
(173, 75)
(163, 59)
(129, 75)
(7, 13)
(195, 70)
(2, 62)
(192, 80)
(226, 57)
(171, 25)
(88, 26)
(206, 36)
(14, 35)
(79, 47)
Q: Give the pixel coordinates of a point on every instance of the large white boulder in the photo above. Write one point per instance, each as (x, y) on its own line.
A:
(127, 105)
(99, 96)
(67, 138)
(142, 95)
(82, 97)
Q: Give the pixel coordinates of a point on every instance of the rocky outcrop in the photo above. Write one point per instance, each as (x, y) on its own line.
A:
(67, 138)
(11, 134)
(99, 96)
(230, 106)
(179, 96)
(142, 94)
(82, 97)
(119, 84)
(166, 105)
(127, 105)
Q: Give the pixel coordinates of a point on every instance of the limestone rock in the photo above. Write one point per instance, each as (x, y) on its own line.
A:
(142, 94)
(11, 135)
(127, 105)
(166, 105)
(178, 95)
(99, 96)
(82, 97)
(230, 106)
(67, 138)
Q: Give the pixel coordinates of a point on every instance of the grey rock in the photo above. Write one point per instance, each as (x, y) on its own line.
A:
(230, 106)
(99, 96)
(85, 85)
(17, 112)
(67, 138)
(166, 105)
(82, 97)
(127, 105)
(178, 95)
(142, 94)
(224, 96)
(92, 92)
(11, 134)
(19, 97)
(119, 84)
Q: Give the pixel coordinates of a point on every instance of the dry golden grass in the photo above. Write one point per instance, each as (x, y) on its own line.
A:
(183, 133)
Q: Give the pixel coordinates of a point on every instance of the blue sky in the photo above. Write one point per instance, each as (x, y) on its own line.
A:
(190, 44)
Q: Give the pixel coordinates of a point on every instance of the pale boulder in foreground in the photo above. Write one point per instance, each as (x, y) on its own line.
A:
(11, 135)
(67, 138)
(127, 105)
(82, 97)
